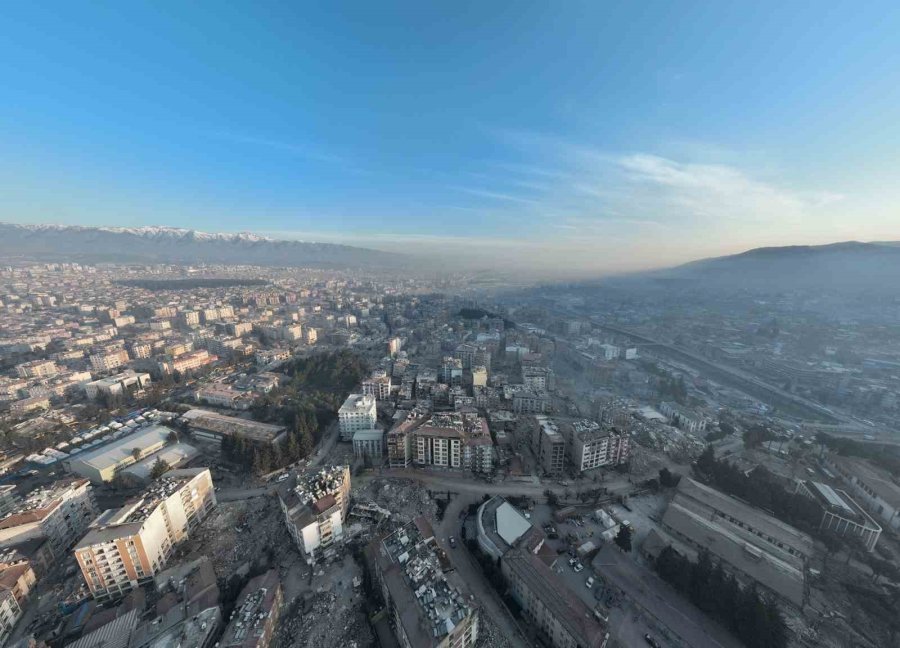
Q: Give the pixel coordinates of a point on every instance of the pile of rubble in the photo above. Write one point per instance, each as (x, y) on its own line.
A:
(404, 498)
(489, 635)
(324, 619)
(237, 532)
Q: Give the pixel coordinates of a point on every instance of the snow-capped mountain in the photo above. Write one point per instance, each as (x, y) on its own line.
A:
(177, 245)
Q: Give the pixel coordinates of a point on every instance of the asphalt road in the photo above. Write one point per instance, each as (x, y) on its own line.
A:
(660, 603)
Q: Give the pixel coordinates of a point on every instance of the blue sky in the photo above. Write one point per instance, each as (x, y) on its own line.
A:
(603, 135)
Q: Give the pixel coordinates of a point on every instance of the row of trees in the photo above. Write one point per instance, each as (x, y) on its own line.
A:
(306, 404)
(760, 489)
(757, 622)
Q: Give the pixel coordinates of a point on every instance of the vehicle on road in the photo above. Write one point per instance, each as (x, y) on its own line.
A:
(452, 542)
(282, 477)
(589, 583)
(578, 567)
(651, 641)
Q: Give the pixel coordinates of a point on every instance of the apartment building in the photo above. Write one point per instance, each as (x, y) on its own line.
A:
(377, 385)
(531, 401)
(548, 444)
(454, 440)
(592, 445)
(315, 508)
(37, 369)
(8, 499)
(60, 513)
(257, 610)
(357, 413)
(108, 360)
(187, 362)
(10, 613)
(427, 600)
(368, 443)
(127, 547)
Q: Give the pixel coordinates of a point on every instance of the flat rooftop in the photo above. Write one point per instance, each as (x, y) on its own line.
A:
(223, 425)
(119, 450)
(756, 518)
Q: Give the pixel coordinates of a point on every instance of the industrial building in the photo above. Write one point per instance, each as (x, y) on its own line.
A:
(127, 547)
(749, 542)
(102, 464)
(176, 455)
(315, 508)
(841, 514)
(125, 383)
(873, 486)
(426, 599)
(212, 427)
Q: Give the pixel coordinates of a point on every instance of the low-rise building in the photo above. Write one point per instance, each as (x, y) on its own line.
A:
(127, 382)
(60, 513)
(212, 427)
(841, 514)
(315, 508)
(127, 547)
(104, 463)
(749, 542)
(37, 369)
(427, 601)
(873, 486)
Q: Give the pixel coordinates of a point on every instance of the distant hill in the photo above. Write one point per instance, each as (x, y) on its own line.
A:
(845, 266)
(182, 246)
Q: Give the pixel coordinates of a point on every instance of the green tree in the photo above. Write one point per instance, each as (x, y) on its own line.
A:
(623, 538)
(160, 468)
(136, 454)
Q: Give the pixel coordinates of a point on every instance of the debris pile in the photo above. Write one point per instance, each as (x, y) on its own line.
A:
(324, 619)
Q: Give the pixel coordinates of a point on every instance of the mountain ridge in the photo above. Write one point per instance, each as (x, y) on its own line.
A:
(162, 244)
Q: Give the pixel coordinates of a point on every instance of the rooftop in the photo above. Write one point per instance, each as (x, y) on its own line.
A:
(119, 451)
(256, 604)
(429, 605)
(231, 425)
(40, 502)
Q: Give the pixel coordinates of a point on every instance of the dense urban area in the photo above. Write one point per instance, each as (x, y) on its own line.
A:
(241, 456)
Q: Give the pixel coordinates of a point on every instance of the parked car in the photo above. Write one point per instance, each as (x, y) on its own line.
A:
(578, 567)
(452, 542)
(651, 641)
(589, 583)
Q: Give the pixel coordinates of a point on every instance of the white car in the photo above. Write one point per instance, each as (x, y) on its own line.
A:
(578, 567)
(589, 583)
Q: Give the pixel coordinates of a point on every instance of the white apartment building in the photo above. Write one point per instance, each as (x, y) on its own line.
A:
(60, 512)
(127, 547)
(592, 445)
(315, 509)
(357, 413)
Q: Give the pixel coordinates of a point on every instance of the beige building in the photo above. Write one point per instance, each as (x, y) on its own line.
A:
(109, 360)
(315, 509)
(37, 369)
(127, 547)
(60, 513)
(127, 382)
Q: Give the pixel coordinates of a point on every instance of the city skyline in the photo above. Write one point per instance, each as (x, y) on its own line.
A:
(607, 138)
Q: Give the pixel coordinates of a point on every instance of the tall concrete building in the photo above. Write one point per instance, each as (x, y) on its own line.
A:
(60, 513)
(548, 445)
(315, 509)
(127, 547)
(357, 413)
(425, 598)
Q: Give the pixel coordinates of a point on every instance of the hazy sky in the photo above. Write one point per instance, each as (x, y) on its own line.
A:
(557, 134)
